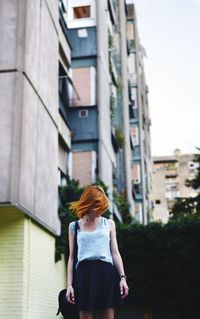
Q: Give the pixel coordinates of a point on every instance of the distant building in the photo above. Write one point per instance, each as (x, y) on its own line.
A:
(169, 175)
(139, 121)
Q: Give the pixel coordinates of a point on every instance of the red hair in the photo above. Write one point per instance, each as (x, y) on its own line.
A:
(93, 198)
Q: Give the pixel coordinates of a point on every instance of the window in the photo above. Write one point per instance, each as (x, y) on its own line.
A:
(84, 80)
(82, 12)
(135, 173)
(192, 165)
(157, 201)
(171, 186)
(134, 135)
(171, 195)
(83, 113)
(87, 161)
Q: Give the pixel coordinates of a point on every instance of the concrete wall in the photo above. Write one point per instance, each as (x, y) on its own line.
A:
(169, 182)
(127, 147)
(30, 278)
(160, 211)
(184, 172)
(29, 107)
(106, 153)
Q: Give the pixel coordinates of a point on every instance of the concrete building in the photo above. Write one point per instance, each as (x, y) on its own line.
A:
(94, 147)
(169, 175)
(73, 101)
(139, 120)
(33, 148)
(112, 104)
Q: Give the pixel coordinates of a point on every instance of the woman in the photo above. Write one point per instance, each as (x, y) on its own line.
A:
(100, 276)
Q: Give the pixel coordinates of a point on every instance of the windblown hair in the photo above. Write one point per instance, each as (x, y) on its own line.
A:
(93, 198)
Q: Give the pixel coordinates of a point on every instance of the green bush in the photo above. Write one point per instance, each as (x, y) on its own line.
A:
(162, 264)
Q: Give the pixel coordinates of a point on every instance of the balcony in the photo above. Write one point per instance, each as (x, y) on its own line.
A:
(129, 4)
(114, 139)
(136, 153)
(171, 173)
(171, 170)
(113, 69)
(131, 46)
(112, 8)
(137, 190)
(132, 92)
(65, 86)
(133, 114)
(64, 44)
(132, 79)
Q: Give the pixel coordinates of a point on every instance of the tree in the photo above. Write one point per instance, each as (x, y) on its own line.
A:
(188, 206)
(69, 193)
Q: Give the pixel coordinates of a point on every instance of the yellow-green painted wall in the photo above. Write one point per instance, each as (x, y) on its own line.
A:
(11, 265)
(30, 279)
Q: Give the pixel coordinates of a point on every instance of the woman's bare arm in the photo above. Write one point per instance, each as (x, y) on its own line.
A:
(71, 257)
(117, 259)
(114, 249)
(70, 265)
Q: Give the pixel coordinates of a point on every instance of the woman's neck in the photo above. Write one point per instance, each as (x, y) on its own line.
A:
(91, 218)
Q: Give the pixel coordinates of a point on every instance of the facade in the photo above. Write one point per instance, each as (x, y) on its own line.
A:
(139, 121)
(109, 114)
(73, 102)
(34, 143)
(169, 175)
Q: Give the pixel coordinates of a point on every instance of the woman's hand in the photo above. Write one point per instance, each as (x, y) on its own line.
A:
(123, 288)
(70, 295)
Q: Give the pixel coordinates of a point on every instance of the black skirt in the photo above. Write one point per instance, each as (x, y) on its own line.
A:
(97, 286)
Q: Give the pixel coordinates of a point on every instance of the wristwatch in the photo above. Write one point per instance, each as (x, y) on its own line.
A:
(123, 276)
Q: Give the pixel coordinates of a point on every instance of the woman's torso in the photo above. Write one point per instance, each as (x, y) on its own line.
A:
(95, 244)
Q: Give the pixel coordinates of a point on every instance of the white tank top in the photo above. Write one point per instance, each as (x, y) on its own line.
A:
(94, 245)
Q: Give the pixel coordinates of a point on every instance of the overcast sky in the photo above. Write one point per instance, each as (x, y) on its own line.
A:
(170, 32)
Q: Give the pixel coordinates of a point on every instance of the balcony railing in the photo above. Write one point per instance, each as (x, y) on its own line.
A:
(132, 79)
(171, 173)
(137, 190)
(112, 8)
(113, 69)
(129, 9)
(131, 46)
(133, 113)
(136, 153)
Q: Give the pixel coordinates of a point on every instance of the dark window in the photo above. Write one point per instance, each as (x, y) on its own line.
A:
(81, 12)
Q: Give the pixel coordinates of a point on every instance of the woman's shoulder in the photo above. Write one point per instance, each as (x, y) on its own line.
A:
(111, 222)
(108, 221)
(72, 226)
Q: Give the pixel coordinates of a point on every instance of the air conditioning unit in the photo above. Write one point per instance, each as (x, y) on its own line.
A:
(83, 113)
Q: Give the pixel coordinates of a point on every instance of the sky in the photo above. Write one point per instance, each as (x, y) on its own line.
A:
(170, 32)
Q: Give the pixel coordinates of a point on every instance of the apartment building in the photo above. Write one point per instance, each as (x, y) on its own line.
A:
(34, 146)
(70, 104)
(109, 114)
(139, 120)
(169, 175)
